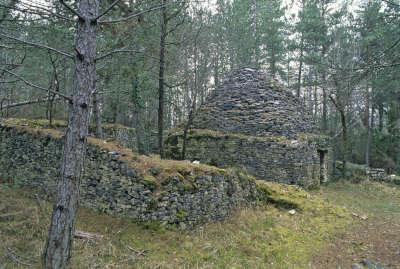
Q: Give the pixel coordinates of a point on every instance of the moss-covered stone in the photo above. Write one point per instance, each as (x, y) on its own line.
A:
(292, 197)
(123, 135)
(273, 158)
(253, 123)
(117, 181)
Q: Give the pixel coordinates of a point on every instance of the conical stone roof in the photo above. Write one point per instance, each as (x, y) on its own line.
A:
(252, 103)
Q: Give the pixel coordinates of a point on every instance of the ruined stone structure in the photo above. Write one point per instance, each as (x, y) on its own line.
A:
(250, 121)
(118, 182)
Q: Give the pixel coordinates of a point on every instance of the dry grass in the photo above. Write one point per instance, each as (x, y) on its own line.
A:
(266, 236)
(33, 123)
(376, 233)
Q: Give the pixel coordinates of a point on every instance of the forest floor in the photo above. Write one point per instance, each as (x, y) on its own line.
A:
(377, 235)
(264, 237)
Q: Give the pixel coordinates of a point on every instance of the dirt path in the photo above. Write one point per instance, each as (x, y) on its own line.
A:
(375, 239)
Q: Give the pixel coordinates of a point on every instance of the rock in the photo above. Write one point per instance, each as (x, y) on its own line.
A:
(362, 217)
(292, 211)
(367, 264)
(357, 266)
(131, 173)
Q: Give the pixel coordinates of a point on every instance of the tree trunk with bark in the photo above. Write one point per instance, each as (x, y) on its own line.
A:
(59, 244)
(138, 131)
(340, 108)
(51, 96)
(161, 84)
(192, 107)
(381, 112)
(324, 109)
(97, 116)
(298, 91)
(368, 118)
(344, 138)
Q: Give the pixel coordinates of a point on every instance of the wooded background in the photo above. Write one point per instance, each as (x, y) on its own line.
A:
(155, 67)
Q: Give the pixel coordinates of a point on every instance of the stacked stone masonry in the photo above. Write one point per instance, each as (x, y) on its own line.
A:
(116, 187)
(251, 103)
(251, 122)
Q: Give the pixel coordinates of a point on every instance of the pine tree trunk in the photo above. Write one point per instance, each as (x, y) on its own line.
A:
(315, 96)
(324, 111)
(216, 71)
(138, 130)
(381, 114)
(161, 79)
(58, 248)
(192, 107)
(368, 125)
(300, 68)
(97, 116)
(324, 91)
(344, 139)
(253, 29)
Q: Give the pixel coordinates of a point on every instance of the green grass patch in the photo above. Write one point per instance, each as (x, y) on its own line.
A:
(373, 198)
(266, 236)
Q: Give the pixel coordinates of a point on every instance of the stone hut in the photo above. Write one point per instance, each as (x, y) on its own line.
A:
(252, 122)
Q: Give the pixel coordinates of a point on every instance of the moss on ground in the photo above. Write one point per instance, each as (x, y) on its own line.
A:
(288, 196)
(371, 198)
(34, 123)
(56, 124)
(266, 236)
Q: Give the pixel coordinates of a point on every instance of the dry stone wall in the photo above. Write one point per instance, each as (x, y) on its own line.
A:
(111, 184)
(127, 137)
(250, 121)
(251, 103)
(290, 161)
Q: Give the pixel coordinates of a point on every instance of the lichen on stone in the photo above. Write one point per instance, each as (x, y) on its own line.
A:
(252, 123)
(120, 182)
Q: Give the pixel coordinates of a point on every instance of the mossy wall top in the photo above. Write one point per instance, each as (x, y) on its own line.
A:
(251, 103)
(118, 181)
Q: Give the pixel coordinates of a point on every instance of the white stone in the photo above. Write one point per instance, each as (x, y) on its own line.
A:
(292, 211)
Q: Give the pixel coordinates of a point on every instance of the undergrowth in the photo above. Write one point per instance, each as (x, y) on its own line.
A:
(266, 236)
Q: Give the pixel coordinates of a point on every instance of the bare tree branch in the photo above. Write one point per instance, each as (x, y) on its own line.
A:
(138, 13)
(9, 82)
(175, 85)
(176, 13)
(43, 13)
(29, 102)
(38, 45)
(72, 10)
(36, 86)
(108, 9)
(5, 47)
(124, 51)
